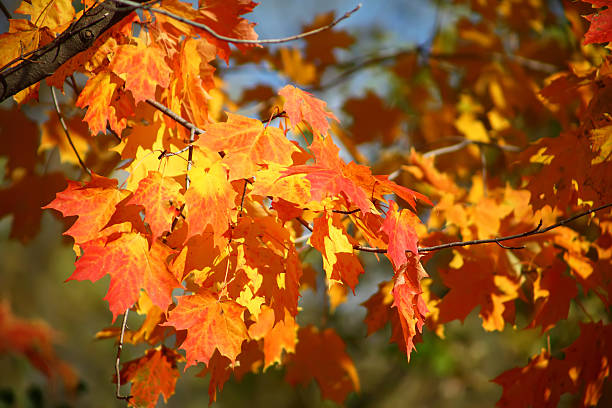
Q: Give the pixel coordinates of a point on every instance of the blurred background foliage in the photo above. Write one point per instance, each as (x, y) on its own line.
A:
(392, 55)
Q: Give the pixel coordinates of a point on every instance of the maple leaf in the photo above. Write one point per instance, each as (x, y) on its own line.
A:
(153, 374)
(277, 336)
(19, 151)
(302, 106)
(409, 303)
(540, 383)
(552, 293)
(295, 68)
(223, 16)
(211, 325)
(132, 266)
(402, 236)
(98, 95)
(600, 30)
(210, 200)
(161, 198)
(94, 203)
(476, 282)
(588, 358)
(188, 89)
(339, 262)
(321, 355)
(386, 127)
(247, 145)
(142, 67)
(327, 176)
(48, 13)
(53, 135)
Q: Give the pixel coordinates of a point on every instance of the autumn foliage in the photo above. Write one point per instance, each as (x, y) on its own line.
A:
(203, 217)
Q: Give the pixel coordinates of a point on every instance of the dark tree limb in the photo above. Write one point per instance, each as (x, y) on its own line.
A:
(44, 61)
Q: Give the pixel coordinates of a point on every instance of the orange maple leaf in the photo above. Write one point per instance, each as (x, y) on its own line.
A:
(540, 383)
(142, 67)
(209, 201)
(211, 325)
(94, 203)
(247, 145)
(98, 95)
(302, 106)
(161, 198)
(277, 336)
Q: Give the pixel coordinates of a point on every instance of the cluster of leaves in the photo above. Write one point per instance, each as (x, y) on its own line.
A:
(206, 234)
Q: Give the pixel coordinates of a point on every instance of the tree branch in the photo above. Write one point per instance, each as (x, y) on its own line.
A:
(44, 61)
(166, 111)
(5, 11)
(537, 230)
(238, 40)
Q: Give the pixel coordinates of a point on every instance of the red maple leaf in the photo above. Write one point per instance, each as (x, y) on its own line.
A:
(132, 267)
(600, 30)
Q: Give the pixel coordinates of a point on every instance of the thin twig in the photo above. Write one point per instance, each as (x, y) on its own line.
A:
(63, 123)
(447, 149)
(118, 360)
(174, 116)
(239, 40)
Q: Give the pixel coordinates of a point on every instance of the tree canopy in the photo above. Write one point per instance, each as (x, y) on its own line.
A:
(477, 180)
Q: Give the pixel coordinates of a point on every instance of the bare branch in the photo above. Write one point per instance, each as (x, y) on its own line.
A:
(63, 123)
(239, 40)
